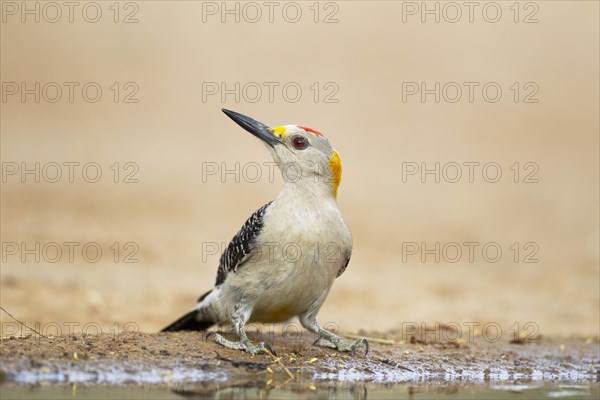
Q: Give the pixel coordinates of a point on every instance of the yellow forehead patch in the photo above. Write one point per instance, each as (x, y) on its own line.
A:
(336, 169)
(279, 131)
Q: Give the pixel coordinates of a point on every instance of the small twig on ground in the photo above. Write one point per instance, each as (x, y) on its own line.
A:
(371, 339)
(22, 323)
(277, 360)
(241, 363)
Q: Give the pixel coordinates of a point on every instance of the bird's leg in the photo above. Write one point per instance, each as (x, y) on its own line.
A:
(329, 339)
(238, 321)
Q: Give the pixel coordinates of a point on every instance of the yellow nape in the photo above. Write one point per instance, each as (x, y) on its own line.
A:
(336, 169)
(279, 131)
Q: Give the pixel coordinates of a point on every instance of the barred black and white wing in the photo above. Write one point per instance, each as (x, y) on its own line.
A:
(241, 246)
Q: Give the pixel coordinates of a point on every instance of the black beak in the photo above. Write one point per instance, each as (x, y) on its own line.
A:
(256, 128)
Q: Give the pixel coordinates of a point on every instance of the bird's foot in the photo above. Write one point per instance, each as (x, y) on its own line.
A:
(244, 345)
(336, 342)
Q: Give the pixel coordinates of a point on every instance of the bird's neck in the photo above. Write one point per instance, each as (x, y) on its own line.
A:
(312, 190)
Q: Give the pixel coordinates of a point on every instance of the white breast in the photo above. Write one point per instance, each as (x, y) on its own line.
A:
(302, 248)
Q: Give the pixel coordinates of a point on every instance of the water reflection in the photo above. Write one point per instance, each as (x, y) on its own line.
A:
(261, 389)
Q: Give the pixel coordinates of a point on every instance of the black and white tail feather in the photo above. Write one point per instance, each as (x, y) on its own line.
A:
(237, 253)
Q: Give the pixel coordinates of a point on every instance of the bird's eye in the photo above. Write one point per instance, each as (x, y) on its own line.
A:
(300, 142)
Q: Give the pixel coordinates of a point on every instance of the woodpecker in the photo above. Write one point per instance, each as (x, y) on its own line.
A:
(285, 258)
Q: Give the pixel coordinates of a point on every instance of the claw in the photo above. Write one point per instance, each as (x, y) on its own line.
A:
(361, 341)
(244, 345)
(338, 343)
(270, 349)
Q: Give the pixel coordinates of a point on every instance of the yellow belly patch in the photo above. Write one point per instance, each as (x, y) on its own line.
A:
(274, 315)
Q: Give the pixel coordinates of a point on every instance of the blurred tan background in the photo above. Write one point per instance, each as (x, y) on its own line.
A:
(367, 55)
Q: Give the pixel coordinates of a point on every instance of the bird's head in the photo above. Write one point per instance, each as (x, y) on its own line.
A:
(303, 154)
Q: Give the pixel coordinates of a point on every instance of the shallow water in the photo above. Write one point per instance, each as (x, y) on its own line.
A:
(329, 390)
